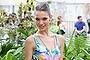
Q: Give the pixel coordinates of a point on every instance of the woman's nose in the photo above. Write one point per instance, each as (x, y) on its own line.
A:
(41, 22)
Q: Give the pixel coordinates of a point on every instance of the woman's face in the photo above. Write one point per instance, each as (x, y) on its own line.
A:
(42, 20)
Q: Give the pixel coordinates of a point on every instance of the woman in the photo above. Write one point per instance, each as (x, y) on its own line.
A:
(62, 25)
(44, 45)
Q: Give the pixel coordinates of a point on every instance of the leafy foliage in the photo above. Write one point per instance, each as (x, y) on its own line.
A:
(77, 48)
(12, 47)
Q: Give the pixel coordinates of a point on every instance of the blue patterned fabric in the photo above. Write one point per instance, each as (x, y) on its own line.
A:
(41, 52)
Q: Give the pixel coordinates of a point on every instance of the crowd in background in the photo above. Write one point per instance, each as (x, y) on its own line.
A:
(14, 21)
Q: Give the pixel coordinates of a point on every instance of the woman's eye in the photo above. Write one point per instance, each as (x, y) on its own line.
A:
(37, 19)
(44, 18)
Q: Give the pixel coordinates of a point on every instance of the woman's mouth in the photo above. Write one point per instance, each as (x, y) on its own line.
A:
(41, 27)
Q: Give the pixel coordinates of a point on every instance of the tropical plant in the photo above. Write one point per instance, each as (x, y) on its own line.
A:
(12, 47)
(77, 49)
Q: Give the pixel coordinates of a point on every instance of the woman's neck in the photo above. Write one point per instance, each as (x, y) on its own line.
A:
(45, 33)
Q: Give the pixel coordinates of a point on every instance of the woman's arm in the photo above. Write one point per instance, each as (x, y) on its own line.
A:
(61, 40)
(29, 47)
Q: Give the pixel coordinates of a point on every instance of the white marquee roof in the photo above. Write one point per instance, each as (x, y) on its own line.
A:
(11, 2)
(68, 1)
(17, 2)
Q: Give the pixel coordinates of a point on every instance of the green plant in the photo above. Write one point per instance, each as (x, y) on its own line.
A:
(77, 48)
(14, 54)
(12, 47)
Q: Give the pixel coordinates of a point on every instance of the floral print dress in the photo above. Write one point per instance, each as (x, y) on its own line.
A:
(42, 53)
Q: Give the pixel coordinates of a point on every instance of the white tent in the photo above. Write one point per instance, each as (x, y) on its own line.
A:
(67, 1)
(17, 2)
(11, 2)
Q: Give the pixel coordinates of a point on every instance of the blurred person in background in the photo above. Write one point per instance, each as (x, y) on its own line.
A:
(80, 26)
(62, 25)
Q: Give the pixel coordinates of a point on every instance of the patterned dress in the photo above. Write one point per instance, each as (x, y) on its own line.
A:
(42, 53)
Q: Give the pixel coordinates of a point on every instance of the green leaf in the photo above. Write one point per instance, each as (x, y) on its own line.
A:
(18, 50)
(81, 54)
(8, 56)
(86, 53)
(54, 29)
(0, 49)
(12, 50)
(3, 58)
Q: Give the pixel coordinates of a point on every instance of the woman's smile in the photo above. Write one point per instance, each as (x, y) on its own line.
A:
(42, 27)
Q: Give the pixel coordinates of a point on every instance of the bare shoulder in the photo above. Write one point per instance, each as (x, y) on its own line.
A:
(29, 47)
(30, 41)
(61, 39)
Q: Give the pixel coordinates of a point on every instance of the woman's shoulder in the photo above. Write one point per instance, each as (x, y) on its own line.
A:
(60, 38)
(30, 39)
(30, 42)
(59, 35)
